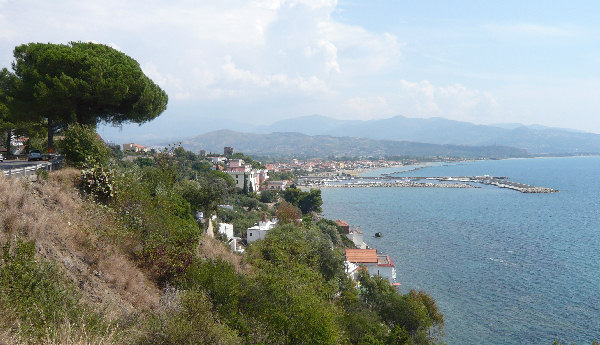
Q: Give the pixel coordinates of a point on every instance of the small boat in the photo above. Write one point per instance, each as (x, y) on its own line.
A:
(378, 234)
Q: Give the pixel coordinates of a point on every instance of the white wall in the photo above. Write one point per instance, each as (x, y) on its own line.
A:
(226, 229)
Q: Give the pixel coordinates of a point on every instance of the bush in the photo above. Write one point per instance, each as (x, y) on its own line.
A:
(82, 146)
(189, 321)
(98, 181)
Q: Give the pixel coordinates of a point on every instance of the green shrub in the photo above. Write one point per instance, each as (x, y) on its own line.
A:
(82, 146)
(98, 181)
(190, 321)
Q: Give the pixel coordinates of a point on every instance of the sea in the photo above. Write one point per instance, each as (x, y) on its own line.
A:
(504, 267)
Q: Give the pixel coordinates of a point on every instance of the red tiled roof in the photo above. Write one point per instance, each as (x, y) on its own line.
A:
(341, 223)
(361, 255)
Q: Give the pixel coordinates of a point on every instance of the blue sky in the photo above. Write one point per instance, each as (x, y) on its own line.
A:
(257, 61)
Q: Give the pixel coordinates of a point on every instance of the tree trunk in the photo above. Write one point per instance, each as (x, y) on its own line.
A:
(8, 137)
(50, 136)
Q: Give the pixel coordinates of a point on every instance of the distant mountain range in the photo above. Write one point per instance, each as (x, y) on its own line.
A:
(534, 139)
(300, 145)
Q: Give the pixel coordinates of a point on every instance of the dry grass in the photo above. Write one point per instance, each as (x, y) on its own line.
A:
(210, 248)
(66, 334)
(84, 239)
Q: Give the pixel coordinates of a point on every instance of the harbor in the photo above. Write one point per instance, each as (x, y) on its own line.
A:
(419, 182)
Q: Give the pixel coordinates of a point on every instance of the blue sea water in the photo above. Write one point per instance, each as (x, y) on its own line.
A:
(504, 267)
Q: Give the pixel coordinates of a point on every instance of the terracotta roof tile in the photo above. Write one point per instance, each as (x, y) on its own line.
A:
(361, 255)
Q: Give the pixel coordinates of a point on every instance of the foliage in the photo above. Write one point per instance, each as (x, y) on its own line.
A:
(159, 218)
(286, 213)
(82, 147)
(335, 232)
(268, 196)
(35, 294)
(220, 282)
(307, 201)
(279, 176)
(415, 313)
(98, 181)
(144, 161)
(190, 321)
(293, 304)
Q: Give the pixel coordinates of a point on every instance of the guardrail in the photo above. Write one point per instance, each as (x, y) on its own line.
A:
(55, 164)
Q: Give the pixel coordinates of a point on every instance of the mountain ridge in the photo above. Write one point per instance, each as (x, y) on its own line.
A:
(536, 139)
(294, 144)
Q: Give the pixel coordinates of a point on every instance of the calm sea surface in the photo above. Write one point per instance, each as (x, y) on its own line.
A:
(504, 267)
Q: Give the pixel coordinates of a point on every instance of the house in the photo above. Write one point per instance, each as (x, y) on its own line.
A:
(259, 231)
(278, 185)
(135, 147)
(227, 230)
(343, 225)
(376, 264)
(354, 234)
(217, 160)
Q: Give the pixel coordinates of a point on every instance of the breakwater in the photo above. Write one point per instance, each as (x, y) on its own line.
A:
(398, 184)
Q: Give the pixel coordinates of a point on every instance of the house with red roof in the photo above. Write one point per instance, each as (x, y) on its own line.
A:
(375, 263)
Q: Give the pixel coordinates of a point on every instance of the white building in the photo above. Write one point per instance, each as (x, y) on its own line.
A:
(376, 264)
(251, 177)
(259, 231)
(227, 230)
(217, 160)
(356, 236)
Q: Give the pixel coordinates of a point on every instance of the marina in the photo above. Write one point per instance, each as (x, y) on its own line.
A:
(344, 181)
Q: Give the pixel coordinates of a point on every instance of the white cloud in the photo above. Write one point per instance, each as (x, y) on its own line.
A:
(243, 78)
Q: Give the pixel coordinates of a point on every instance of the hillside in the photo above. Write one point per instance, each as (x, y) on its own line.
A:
(112, 254)
(534, 139)
(301, 145)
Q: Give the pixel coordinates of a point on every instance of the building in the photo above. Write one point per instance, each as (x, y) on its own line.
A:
(345, 226)
(135, 148)
(217, 160)
(227, 230)
(260, 230)
(278, 185)
(354, 234)
(244, 174)
(376, 264)
(228, 151)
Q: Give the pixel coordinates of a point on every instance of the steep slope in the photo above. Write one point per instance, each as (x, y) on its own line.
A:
(74, 234)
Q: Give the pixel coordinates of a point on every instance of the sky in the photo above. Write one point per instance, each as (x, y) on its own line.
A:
(243, 63)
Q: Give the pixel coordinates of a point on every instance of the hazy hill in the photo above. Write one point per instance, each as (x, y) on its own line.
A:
(301, 145)
(535, 139)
